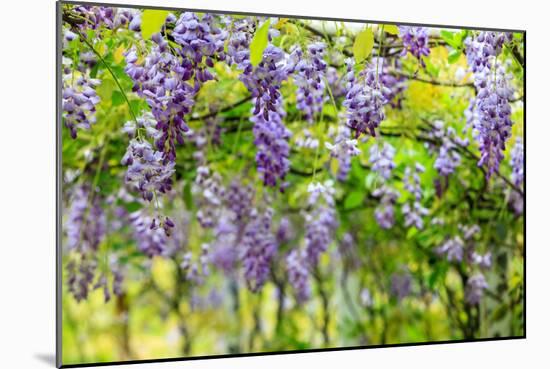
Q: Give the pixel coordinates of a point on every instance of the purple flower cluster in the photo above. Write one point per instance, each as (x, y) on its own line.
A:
(481, 49)
(150, 238)
(298, 274)
(381, 159)
(271, 139)
(490, 112)
(474, 288)
(415, 41)
(201, 43)
(93, 17)
(162, 81)
(320, 220)
(453, 248)
(493, 124)
(209, 194)
(225, 253)
(86, 224)
(448, 159)
(516, 161)
(343, 149)
(264, 82)
(414, 212)
(80, 276)
(196, 271)
(231, 225)
(394, 84)
(259, 247)
(401, 285)
(384, 212)
(365, 100)
(79, 98)
(310, 72)
(147, 173)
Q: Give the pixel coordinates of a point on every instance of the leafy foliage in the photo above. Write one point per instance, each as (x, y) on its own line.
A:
(241, 184)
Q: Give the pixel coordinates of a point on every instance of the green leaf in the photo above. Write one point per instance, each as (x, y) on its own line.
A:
(430, 67)
(411, 232)
(354, 199)
(392, 29)
(453, 57)
(362, 46)
(117, 98)
(188, 196)
(449, 38)
(152, 21)
(259, 43)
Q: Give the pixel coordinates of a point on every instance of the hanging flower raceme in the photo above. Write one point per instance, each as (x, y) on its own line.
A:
(196, 271)
(448, 158)
(343, 149)
(517, 176)
(201, 43)
(79, 97)
(164, 78)
(264, 82)
(494, 122)
(413, 211)
(309, 76)
(320, 220)
(453, 248)
(86, 227)
(151, 239)
(86, 224)
(481, 49)
(271, 139)
(401, 284)
(395, 84)
(415, 41)
(365, 100)
(475, 288)
(490, 113)
(381, 158)
(209, 194)
(147, 173)
(259, 247)
(298, 274)
(384, 212)
(94, 17)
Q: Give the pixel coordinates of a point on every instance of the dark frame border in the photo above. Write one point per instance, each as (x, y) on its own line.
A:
(59, 184)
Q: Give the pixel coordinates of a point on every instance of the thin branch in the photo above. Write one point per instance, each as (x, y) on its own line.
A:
(430, 81)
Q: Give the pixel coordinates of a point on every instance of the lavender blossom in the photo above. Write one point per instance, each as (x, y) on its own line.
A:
(494, 122)
(474, 288)
(415, 41)
(210, 194)
(320, 220)
(150, 240)
(343, 150)
(86, 224)
(310, 74)
(381, 159)
(147, 173)
(271, 139)
(401, 285)
(516, 199)
(79, 98)
(298, 274)
(384, 212)
(414, 211)
(365, 100)
(259, 247)
(453, 248)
